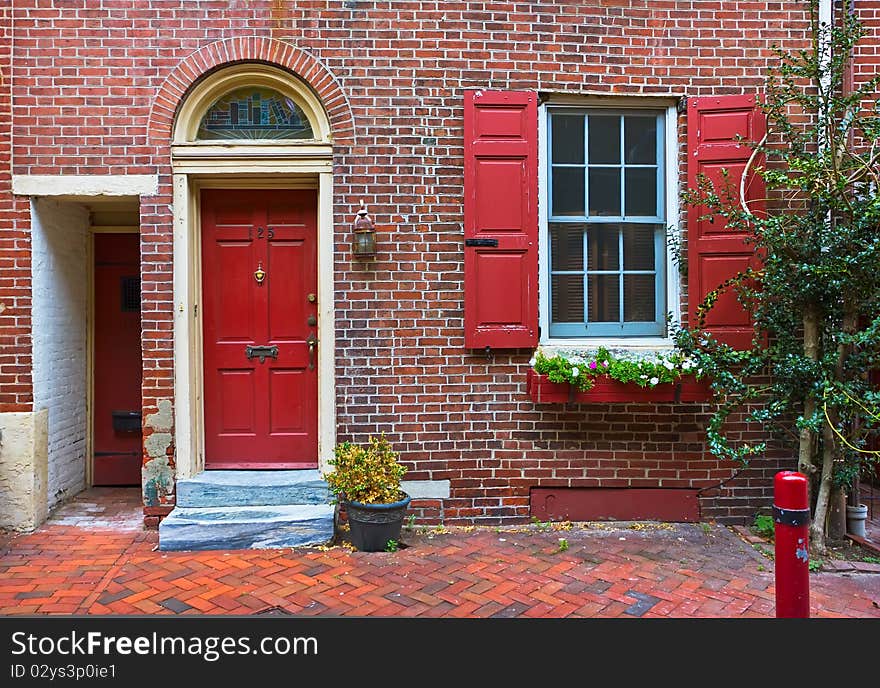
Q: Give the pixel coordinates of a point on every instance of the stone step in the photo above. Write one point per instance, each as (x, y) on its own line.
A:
(252, 488)
(246, 527)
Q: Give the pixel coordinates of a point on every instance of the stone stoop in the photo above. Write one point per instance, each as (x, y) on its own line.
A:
(249, 510)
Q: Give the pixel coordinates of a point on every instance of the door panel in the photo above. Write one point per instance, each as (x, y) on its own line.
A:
(237, 403)
(116, 424)
(287, 414)
(260, 414)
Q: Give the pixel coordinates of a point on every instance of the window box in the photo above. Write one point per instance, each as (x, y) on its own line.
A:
(606, 390)
(543, 391)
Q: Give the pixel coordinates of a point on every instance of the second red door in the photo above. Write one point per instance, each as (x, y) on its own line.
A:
(259, 296)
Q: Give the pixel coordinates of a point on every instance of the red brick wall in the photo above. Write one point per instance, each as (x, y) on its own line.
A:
(15, 256)
(86, 80)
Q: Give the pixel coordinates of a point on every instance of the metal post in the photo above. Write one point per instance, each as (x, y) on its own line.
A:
(791, 515)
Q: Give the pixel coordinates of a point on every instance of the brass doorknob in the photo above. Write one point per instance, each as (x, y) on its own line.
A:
(312, 298)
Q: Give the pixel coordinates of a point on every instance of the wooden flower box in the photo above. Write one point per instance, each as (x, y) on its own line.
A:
(543, 391)
(606, 390)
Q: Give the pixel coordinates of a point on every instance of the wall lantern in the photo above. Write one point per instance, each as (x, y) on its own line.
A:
(363, 243)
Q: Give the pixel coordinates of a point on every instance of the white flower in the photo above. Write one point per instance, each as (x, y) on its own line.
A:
(685, 365)
(699, 371)
(654, 380)
(704, 342)
(644, 377)
(669, 365)
(532, 361)
(575, 372)
(605, 363)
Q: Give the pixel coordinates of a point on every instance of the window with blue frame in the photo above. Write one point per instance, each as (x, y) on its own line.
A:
(607, 223)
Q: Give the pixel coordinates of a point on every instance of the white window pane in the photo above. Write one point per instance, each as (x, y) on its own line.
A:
(568, 139)
(566, 246)
(604, 247)
(638, 298)
(640, 139)
(638, 247)
(604, 140)
(604, 295)
(568, 191)
(641, 191)
(567, 298)
(604, 191)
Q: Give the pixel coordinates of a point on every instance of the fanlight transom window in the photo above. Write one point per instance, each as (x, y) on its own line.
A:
(254, 113)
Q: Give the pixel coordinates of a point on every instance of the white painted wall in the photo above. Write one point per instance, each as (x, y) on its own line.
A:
(60, 232)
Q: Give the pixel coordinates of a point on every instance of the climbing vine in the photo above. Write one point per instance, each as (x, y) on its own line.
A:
(815, 299)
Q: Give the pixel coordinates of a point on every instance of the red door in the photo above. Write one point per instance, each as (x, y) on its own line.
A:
(117, 360)
(259, 295)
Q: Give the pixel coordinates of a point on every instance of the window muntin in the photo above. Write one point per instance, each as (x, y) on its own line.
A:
(606, 222)
(256, 113)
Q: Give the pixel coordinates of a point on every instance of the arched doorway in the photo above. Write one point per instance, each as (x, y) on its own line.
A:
(253, 273)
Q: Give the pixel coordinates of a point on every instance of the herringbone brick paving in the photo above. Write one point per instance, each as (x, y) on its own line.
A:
(93, 558)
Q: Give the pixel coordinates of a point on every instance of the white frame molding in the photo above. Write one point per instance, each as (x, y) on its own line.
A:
(85, 184)
(245, 164)
(673, 278)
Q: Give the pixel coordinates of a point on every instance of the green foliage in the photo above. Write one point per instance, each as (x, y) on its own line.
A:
(648, 370)
(764, 526)
(368, 474)
(815, 565)
(392, 546)
(871, 560)
(563, 544)
(674, 243)
(819, 242)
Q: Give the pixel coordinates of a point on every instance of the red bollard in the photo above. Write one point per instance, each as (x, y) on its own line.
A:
(791, 514)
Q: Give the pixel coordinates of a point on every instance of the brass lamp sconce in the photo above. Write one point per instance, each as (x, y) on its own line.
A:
(363, 243)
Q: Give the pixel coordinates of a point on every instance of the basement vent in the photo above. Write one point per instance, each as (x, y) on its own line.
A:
(131, 294)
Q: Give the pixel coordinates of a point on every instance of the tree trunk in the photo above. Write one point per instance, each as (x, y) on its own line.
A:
(806, 444)
(817, 527)
(836, 529)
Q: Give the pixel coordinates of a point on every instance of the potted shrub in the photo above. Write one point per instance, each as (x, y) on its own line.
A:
(366, 480)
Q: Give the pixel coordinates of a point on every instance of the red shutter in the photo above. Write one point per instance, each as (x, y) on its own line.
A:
(716, 253)
(500, 219)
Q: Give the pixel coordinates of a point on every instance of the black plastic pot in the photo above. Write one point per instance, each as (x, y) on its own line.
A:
(373, 525)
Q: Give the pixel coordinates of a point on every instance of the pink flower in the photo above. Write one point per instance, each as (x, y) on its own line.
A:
(592, 365)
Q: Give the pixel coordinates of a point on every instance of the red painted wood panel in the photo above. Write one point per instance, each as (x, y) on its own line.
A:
(606, 390)
(260, 415)
(614, 504)
(501, 207)
(715, 252)
(117, 361)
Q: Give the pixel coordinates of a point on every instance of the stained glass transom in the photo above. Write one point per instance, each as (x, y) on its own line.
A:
(255, 113)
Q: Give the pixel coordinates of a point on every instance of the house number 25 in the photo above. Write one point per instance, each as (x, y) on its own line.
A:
(261, 233)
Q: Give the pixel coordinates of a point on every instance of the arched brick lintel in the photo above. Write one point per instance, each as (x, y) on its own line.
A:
(231, 51)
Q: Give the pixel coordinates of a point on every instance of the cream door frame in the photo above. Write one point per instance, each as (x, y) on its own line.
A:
(254, 164)
(189, 427)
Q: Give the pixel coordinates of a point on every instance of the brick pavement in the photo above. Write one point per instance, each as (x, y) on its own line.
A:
(93, 558)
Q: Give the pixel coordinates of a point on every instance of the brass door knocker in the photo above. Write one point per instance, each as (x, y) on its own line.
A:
(259, 274)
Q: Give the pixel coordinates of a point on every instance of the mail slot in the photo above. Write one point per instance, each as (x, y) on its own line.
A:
(126, 421)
